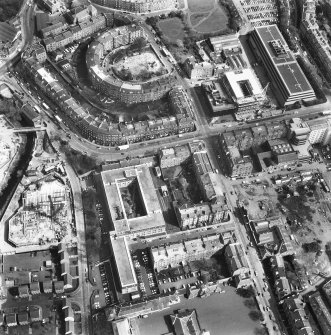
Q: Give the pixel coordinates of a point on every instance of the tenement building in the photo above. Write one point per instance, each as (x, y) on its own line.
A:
(132, 203)
(109, 83)
(138, 6)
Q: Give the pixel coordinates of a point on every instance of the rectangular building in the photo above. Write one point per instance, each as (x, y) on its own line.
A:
(235, 164)
(133, 205)
(124, 267)
(285, 73)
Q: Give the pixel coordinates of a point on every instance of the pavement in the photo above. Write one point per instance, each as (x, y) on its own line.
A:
(82, 295)
(264, 298)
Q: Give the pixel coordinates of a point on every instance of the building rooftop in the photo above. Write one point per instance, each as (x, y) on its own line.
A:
(282, 58)
(202, 162)
(280, 146)
(244, 84)
(123, 261)
(185, 322)
(121, 327)
(114, 181)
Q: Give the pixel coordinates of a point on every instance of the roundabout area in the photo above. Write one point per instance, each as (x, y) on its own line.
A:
(123, 66)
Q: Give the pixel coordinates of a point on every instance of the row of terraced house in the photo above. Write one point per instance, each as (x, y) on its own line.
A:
(104, 132)
(316, 38)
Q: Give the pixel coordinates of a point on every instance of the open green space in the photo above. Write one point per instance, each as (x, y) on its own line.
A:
(217, 21)
(9, 8)
(200, 5)
(221, 314)
(172, 28)
(197, 17)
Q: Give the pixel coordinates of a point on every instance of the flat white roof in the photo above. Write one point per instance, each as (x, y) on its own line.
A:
(99, 72)
(121, 327)
(123, 261)
(45, 75)
(128, 86)
(244, 74)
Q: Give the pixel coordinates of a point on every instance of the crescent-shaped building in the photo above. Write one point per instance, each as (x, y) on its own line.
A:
(107, 82)
(139, 6)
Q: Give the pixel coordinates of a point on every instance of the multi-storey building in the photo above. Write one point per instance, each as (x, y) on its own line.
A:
(297, 317)
(139, 6)
(245, 91)
(132, 203)
(99, 130)
(55, 40)
(199, 215)
(174, 156)
(282, 285)
(315, 37)
(283, 152)
(321, 312)
(198, 71)
(122, 258)
(320, 131)
(287, 77)
(237, 264)
(234, 162)
(173, 254)
(53, 6)
(109, 83)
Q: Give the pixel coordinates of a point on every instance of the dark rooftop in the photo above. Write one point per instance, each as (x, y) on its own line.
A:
(283, 59)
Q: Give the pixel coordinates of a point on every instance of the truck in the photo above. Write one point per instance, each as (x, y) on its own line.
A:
(123, 147)
(326, 113)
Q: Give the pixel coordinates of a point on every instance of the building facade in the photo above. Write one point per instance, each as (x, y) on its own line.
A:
(138, 6)
(174, 254)
(315, 37)
(233, 161)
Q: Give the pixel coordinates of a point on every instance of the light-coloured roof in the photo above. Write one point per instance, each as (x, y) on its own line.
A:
(123, 261)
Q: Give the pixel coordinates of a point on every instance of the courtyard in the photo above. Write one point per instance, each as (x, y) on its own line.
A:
(139, 66)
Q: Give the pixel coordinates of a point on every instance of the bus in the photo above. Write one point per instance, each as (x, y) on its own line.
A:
(37, 109)
(45, 105)
(58, 118)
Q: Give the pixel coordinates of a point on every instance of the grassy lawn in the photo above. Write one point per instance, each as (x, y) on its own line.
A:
(218, 20)
(200, 6)
(172, 28)
(197, 17)
(221, 314)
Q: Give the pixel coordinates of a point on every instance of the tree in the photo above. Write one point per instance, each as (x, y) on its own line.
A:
(152, 21)
(311, 247)
(139, 43)
(9, 8)
(246, 292)
(255, 315)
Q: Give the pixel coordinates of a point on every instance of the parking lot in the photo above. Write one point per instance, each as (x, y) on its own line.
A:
(109, 294)
(176, 279)
(142, 263)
